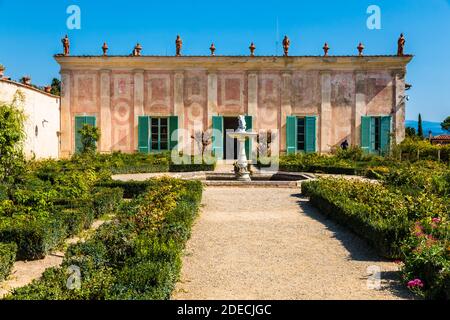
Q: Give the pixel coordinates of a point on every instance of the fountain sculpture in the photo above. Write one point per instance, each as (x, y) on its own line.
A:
(241, 134)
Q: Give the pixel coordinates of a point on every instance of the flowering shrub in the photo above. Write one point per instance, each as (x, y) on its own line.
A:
(426, 268)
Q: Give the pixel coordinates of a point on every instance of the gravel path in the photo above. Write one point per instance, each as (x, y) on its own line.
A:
(266, 243)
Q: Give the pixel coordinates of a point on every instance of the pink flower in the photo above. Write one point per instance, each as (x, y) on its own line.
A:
(416, 283)
(436, 220)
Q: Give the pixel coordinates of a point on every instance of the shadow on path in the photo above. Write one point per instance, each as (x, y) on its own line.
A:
(357, 247)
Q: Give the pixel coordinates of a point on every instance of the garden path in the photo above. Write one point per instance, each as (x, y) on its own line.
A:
(24, 272)
(266, 243)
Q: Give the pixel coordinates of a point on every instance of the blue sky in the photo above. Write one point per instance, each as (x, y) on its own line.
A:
(30, 33)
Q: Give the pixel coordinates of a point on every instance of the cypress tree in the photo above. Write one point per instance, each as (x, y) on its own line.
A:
(420, 127)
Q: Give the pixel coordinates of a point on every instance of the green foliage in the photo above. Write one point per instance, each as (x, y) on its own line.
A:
(55, 87)
(12, 136)
(446, 124)
(427, 257)
(7, 259)
(420, 127)
(90, 135)
(411, 132)
(137, 256)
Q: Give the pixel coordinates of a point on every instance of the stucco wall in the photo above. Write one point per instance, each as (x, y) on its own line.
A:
(43, 119)
(338, 90)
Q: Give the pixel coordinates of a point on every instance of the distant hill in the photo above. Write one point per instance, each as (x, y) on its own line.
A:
(434, 127)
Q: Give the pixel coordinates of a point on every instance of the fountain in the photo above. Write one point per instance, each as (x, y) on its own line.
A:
(242, 135)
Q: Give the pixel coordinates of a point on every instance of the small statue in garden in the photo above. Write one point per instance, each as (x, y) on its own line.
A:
(242, 124)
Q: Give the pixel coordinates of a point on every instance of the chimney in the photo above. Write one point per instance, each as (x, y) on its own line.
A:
(2, 71)
(48, 89)
(26, 80)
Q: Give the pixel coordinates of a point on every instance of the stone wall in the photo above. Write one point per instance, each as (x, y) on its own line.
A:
(42, 125)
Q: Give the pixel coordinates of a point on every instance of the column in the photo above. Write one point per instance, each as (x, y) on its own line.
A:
(105, 111)
(286, 107)
(66, 118)
(178, 110)
(360, 106)
(212, 98)
(325, 116)
(399, 105)
(138, 104)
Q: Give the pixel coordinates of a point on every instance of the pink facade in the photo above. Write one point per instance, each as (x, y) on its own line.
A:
(337, 90)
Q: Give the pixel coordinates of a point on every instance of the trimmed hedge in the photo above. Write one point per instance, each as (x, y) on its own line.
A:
(135, 257)
(131, 189)
(7, 259)
(192, 167)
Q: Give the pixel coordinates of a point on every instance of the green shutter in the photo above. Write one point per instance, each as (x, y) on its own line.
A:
(366, 134)
(310, 134)
(248, 142)
(385, 134)
(79, 122)
(143, 134)
(173, 131)
(291, 135)
(90, 120)
(217, 137)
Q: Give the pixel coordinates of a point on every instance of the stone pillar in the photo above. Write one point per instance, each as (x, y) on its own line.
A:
(286, 107)
(252, 105)
(212, 98)
(105, 111)
(67, 145)
(325, 116)
(399, 106)
(178, 110)
(138, 104)
(359, 109)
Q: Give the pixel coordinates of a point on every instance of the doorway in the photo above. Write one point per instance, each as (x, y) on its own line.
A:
(230, 123)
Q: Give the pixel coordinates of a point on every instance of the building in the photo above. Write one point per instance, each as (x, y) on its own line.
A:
(42, 110)
(314, 103)
(442, 139)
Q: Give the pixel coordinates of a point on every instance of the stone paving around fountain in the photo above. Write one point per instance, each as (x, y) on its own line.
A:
(269, 243)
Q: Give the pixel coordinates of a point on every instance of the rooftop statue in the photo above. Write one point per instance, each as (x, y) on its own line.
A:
(252, 49)
(401, 45)
(179, 45)
(66, 45)
(286, 44)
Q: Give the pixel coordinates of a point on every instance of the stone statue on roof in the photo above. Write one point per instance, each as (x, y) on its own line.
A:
(66, 45)
(286, 44)
(401, 45)
(179, 45)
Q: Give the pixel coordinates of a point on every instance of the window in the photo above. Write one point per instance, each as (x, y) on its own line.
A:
(375, 134)
(159, 134)
(300, 134)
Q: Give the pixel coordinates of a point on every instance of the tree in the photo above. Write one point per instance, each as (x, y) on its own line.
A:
(411, 132)
(56, 87)
(12, 136)
(446, 124)
(420, 127)
(89, 138)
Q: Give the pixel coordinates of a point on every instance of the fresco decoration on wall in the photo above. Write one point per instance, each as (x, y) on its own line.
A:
(86, 89)
(343, 90)
(268, 100)
(380, 91)
(232, 93)
(195, 103)
(122, 112)
(306, 92)
(158, 93)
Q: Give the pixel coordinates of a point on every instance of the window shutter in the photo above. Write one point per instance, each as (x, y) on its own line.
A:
(217, 137)
(291, 135)
(143, 134)
(366, 134)
(385, 134)
(90, 120)
(248, 142)
(173, 131)
(310, 134)
(79, 122)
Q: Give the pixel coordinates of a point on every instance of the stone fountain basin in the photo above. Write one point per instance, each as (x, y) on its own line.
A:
(228, 179)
